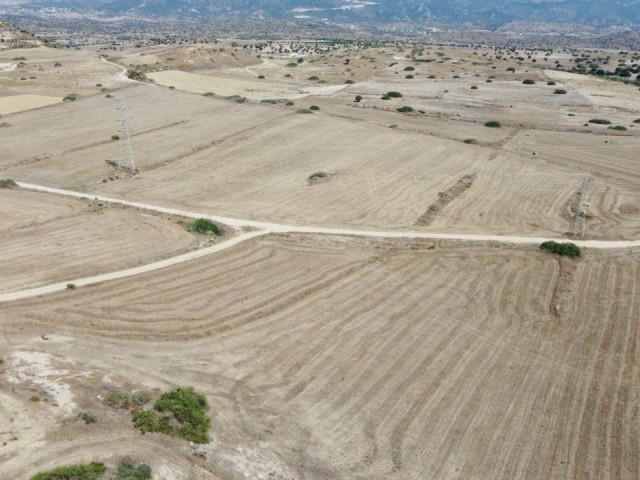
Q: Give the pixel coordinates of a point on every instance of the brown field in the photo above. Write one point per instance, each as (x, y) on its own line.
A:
(324, 357)
(349, 360)
(45, 239)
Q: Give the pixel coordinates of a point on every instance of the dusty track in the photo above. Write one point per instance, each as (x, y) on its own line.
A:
(263, 228)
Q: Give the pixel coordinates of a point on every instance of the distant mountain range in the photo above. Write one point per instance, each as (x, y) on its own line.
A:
(491, 13)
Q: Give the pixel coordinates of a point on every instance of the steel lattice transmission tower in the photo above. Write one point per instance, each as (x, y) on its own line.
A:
(127, 158)
(583, 207)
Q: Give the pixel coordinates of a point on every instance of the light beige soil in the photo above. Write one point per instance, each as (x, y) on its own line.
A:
(19, 103)
(333, 358)
(71, 239)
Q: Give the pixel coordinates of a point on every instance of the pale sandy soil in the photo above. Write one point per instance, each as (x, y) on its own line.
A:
(334, 358)
(602, 92)
(19, 103)
(225, 87)
(78, 238)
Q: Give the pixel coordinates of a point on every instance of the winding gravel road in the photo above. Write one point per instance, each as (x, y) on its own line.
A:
(263, 228)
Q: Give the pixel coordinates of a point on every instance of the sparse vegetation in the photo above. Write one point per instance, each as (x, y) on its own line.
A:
(203, 225)
(619, 128)
(528, 81)
(314, 108)
(115, 137)
(470, 141)
(72, 97)
(394, 94)
(71, 286)
(8, 183)
(128, 470)
(551, 82)
(405, 109)
(566, 249)
(493, 124)
(90, 471)
(358, 98)
(409, 69)
(88, 418)
(560, 91)
(180, 413)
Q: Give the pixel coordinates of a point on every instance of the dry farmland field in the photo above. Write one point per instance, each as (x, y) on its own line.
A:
(332, 330)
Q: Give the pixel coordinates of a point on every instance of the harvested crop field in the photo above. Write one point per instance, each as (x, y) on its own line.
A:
(46, 239)
(19, 103)
(326, 357)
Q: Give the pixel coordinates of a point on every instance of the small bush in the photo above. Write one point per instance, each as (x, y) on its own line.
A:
(600, 121)
(87, 417)
(551, 83)
(493, 124)
(404, 109)
(314, 108)
(349, 82)
(474, 87)
(180, 413)
(637, 120)
(90, 471)
(108, 96)
(619, 128)
(208, 94)
(8, 183)
(385, 97)
(303, 111)
(115, 137)
(358, 98)
(289, 103)
(318, 176)
(528, 81)
(71, 286)
(570, 250)
(128, 470)
(203, 225)
(72, 97)
(292, 64)
(409, 69)
(261, 77)
(470, 140)
(560, 91)
(313, 78)
(409, 77)
(394, 94)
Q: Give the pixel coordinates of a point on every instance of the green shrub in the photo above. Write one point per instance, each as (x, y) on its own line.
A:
(314, 108)
(180, 413)
(90, 471)
(404, 109)
(292, 64)
(619, 128)
(470, 140)
(289, 103)
(128, 470)
(349, 82)
(87, 417)
(409, 77)
(358, 98)
(115, 137)
(394, 94)
(474, 87)
(637, 120)
(528, 81)
(600, 121)
(203, 225)
(303, 111)
(551, 82)
(8, 183)
(261, 77)
(385, 97)
(208, 94)
(560, 91)
(72, 97)
(71, 286)
(409, 69)
(313, 78)
(493, 124)
(567, 249)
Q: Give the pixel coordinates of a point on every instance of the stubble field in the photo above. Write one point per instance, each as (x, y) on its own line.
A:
(324, 356)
